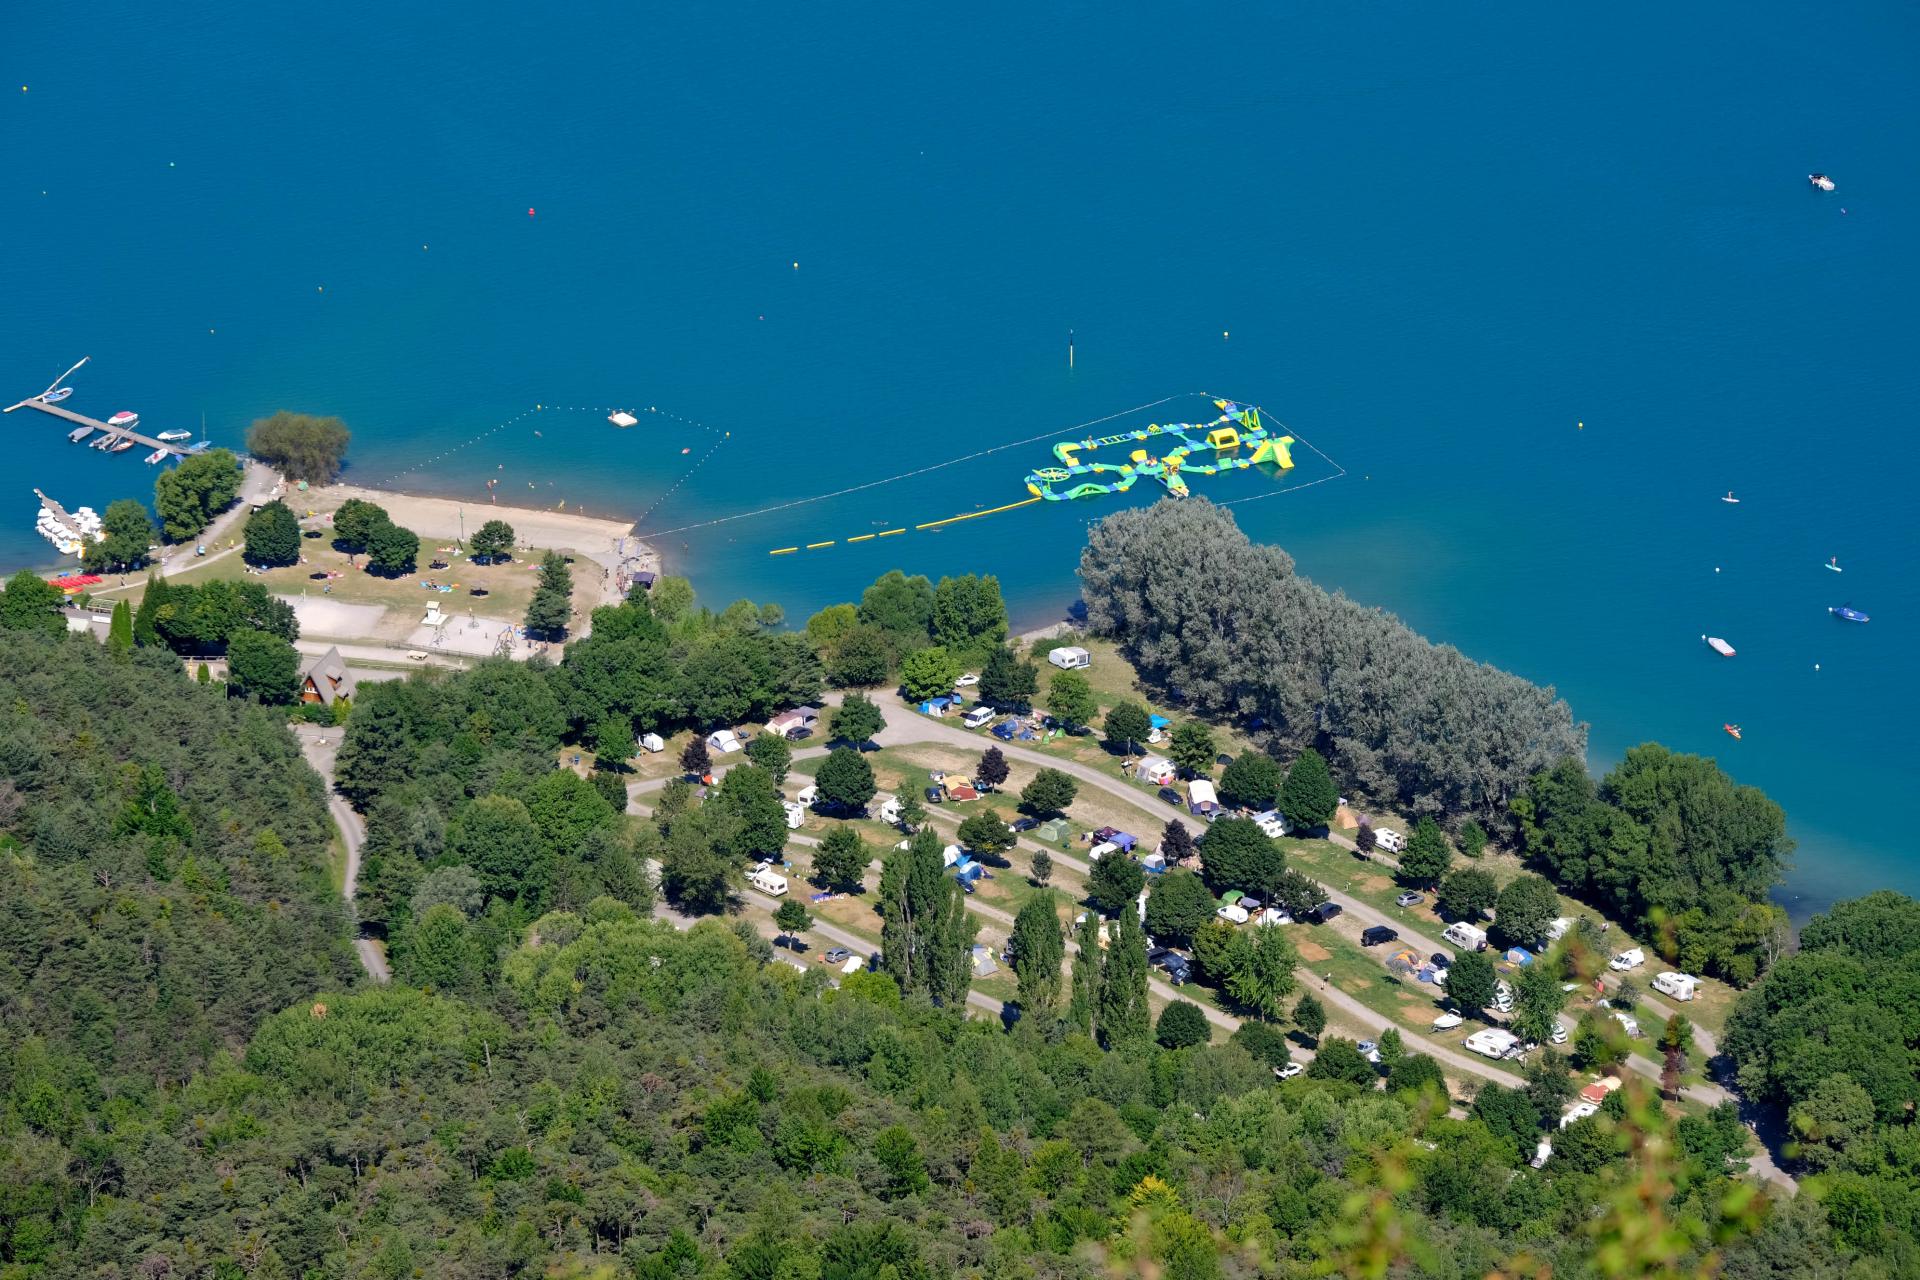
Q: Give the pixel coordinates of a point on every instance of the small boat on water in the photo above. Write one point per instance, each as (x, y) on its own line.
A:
(200, 446)
(126, 443)
(170, 436)
(126, 420)
(1719, 646)
(106, 438)
(1733, 730)
(1847, 613)
(158, 455)
(1820, 181)
(1731, 498)
(55, 397)
(78, 434)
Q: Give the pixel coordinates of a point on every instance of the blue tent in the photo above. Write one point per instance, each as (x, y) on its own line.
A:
(1518, 956)
(1158, 722)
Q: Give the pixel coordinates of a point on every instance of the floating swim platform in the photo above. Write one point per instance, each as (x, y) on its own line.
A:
(1237, 440)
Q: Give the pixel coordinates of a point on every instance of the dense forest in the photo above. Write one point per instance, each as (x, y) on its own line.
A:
(1229, 627)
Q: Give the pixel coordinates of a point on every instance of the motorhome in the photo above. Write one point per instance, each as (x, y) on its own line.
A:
(1388, 839)
(1462, 934)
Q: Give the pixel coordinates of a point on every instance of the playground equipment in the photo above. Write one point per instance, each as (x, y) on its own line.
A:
(1234, 441)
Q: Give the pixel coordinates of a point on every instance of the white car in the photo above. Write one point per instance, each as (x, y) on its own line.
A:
(1289, 1071)
(967, 681)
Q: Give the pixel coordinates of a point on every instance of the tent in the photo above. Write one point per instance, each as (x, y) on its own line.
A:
(652, 742)
(1054, 829)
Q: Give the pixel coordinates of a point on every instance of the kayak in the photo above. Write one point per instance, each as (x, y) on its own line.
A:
(1733, 730)
(1846, 614)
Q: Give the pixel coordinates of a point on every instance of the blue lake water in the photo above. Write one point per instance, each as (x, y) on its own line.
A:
(850, 242)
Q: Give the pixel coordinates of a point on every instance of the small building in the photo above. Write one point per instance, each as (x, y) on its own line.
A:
(645, 578)
(796, 814)
(723, 742)
(326, 680)
(1493, 1042)
(1599, 1089)
(1156, 771)
(767, 881)
(1681, 986)
(1070, 657)
(800, 722)
(961, 792)
(1154, 863)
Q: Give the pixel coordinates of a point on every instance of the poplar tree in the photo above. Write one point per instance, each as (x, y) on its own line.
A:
(1039, 949)
(1083, 999)
(1125, 1018)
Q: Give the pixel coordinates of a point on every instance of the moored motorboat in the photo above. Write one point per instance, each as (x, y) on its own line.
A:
(79, 433)
(1847, 613)
(126, 443)
(170, 436)
(158, 455)
(1719, 646)
(56, 396)
(125, 420)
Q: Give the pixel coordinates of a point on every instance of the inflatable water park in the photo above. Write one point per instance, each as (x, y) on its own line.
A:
(1234, 441)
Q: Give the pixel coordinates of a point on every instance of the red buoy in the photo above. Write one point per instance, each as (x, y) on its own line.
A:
(529, 213)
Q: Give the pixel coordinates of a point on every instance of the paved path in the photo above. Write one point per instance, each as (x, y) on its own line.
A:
(321, 746)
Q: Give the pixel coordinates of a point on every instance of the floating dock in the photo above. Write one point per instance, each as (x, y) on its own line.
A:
(61, 515)
(82, 420)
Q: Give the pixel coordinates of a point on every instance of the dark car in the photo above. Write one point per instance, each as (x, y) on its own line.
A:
(936, 796)
(1378, 934)
(1019, 825)
(790, 942)
(1324, 912)
(836, 955)
(1441, 959)
(1172, 797)
(1223, 761)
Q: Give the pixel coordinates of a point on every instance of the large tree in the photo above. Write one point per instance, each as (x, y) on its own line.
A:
(262, 667)
(1252, 781)
(985, 835)
(900, 606)
(772, 752)
(1070, 699)
(1127, 725)
(1524, 910)
(1089, 958)
(856, 720)
(841, 859)
(928, 672)
(127, 537)
(1124, 1018)
(992, 770)
(1426, 857)
(552, 605)
(1537, 1001)
(696, 871)
(750, 795)
(355, 521)
(862, 659)
(1179, 905)
(300, 446)
(845, 780)
(926, 931)
(1191, 748)
(968, 613)
(392, 550)
(492, 541)
(1308, 797)
(1260, 966)
(1236, 854)
(1467, 894)
(1039, 947)
(1007, 680)
(1114, 884)
(1182, 1024)
(31, 603)
(191, 494)
(1470, 981)
(273, 535)
(1048, 793)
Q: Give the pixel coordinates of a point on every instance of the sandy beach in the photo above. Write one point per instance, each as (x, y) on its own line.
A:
(441, 518)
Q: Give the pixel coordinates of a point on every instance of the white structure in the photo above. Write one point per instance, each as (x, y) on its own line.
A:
(1627, 960)
(1101, 850)
(652, 742)
(1579, 1111)
(796, 814)
(1233, 913)
(724, 742)
(1271, 824)
(1493, 1042)
(977, 717)
(1156, 770)
(1201, 796)
(1462, 934)
(808, 794)
(434, 617)
(888, 807)
(1557, 928)
(1627, 1022)
(1680, 986)
(1502, 995)
(1389, 839)
(1070, 658)
(767, 881)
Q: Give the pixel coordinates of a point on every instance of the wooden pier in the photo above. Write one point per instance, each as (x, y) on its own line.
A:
(59, 512)
(82, 420)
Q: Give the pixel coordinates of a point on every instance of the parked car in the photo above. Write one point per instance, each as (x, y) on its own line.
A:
(835, 955)
(967, 681)
(1369, 1050)
(1324, 912)
(1410, 899)
(936, 796)
(1019, 825)
(1378, 934)
(1171, 796)
(1440, 960)
(1289, 1071)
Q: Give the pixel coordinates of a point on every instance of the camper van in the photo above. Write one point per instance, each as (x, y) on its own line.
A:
(1493, 1043)
(1627, 960)
(1388, 839)
(767, 881)
(1462, 934)
(1070, 658)
(796, 814)
(1680, 986)
(977, 717)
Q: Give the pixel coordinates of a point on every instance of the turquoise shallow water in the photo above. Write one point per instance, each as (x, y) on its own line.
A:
(1429, 239)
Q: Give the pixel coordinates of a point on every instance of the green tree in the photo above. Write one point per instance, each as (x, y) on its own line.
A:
(1309, 1015)
(772, 752)
(1048, 793)
(1427, 856)
(899, 1155)
(1039, 952)
(1834, 1124)
(355, 521)
(1309, 796)
(273, 535)
(300, 446)
(32, 604)
(856, 720)
(792, 917)
(1191, 749)
(262, 667)
(492, 541)
(841, 859)
(900, 606)
(751, 798)
(1260, 968)
(1179, 905)
(695, 873)
(120, 628)
(926, 933)
(1510, 1116)
(1236, 854)
(1341, 1060)
(1252, 781)
(127, 536)
(392, 550)
(1127, 725)
(1089, 959)
(985, 835)
(1416, 1073)
(992, 770)
(1266, 1043)
(1182, 1025)
(1467, 894)
(1124, 1018)
(188, 496)
(497, 838)
(828, 627)
(1041, 866)
(913, 813)
(552, 604)
(1473, 838)
(845, 780)
(1524, 910)
(862, 659)
(968, 613)
(1114, 884)
(927, 673)
(1537, 1001)
(1008, 680)
(1470, 981)
(1070, 699)
(1675, 1039)
(439, 955)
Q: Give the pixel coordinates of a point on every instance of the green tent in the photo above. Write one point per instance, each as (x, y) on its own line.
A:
(1054, 829)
